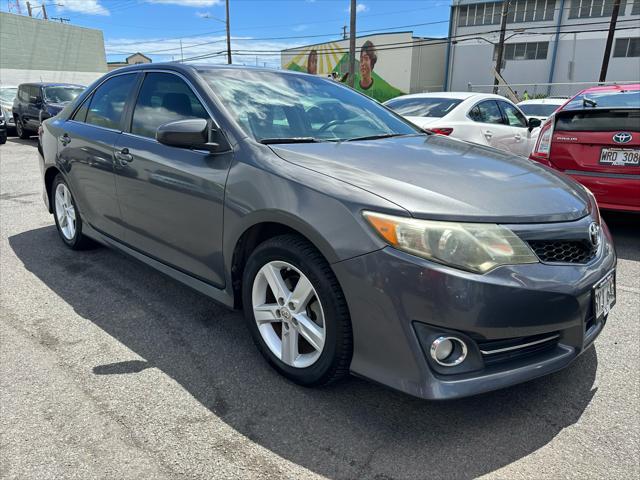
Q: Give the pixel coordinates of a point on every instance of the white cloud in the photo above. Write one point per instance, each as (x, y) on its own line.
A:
(300, 28)
(360, 7)
(189, 3)
(90, 7)
(203, 14)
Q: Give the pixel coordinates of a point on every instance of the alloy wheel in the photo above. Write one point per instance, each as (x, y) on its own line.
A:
(288, 313)
(65, 211)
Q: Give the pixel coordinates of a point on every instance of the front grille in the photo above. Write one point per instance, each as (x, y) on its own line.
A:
(562, 251)
(500, 351)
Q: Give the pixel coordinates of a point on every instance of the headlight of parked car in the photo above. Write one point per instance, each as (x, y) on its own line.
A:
(476, 247)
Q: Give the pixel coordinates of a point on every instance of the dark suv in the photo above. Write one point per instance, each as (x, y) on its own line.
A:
(36, 102)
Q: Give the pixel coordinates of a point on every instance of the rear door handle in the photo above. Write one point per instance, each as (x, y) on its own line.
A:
(123, 156)
(65, 139)
(518, 137)
(488, 133)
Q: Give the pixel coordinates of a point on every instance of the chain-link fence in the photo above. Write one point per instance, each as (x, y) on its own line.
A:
(544, 90)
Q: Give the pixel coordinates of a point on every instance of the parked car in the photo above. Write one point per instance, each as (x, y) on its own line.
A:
(595, 138)
(481, 118)
(36, 102)
(541, 108)
(354, 243)
(7, 96)
(3, 129)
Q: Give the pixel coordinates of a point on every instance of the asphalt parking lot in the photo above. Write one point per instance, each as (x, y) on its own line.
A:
(111, 370)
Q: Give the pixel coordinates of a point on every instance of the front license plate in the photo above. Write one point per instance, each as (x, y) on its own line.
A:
(620, 156)
(604, 296)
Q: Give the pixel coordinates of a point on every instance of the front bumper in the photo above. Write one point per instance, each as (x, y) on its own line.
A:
(395, 299)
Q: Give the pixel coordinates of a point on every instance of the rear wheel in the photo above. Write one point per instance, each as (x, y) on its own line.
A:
(20, 130)
(296, 311)
(68, 221)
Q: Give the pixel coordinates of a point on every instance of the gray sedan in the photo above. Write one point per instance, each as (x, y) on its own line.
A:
(352, 241)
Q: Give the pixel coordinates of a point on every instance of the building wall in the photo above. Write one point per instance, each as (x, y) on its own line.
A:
(579, 55)
(33, 50)
(427, 66)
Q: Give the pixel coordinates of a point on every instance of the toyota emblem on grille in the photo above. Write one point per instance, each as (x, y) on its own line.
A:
(594, 234)
(622, 137)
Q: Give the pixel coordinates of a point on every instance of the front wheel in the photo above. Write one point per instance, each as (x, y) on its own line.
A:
(65, 212)
(296, 311)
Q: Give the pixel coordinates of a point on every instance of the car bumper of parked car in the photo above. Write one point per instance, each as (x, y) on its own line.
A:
(613, 191)
(518, 322)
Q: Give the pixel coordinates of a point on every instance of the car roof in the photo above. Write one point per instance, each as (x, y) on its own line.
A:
(611, 88)
(51, 84)
(453, 95)
(542, 101)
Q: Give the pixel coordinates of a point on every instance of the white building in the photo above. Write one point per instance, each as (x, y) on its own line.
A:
(35, 50)
(547, 41)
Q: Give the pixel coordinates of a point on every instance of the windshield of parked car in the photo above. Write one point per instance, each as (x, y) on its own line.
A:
(8, 94)
(423, 107)
(616, 99)
(538, 109)
(60, 94)
(272, 106)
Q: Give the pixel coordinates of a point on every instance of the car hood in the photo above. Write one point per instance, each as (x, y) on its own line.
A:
(442, 178)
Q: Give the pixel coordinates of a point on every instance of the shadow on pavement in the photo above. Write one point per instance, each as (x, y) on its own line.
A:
(625, 228)
(354, 429)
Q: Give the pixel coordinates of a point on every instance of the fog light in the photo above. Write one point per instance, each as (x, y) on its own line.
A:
(448, 351)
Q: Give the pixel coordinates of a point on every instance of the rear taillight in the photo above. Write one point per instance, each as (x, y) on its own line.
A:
(543, 144)
(442, 131)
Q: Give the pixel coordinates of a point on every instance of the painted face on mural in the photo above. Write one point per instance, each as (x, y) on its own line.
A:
(312, 62)
(368, 59)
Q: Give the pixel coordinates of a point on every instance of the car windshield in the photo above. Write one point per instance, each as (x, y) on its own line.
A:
(61, 94)
(423, 107)
(275, 107)
(618, 99)
(8, 94)
(538, 109)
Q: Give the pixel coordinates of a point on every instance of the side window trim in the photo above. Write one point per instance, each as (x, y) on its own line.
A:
(131, 108)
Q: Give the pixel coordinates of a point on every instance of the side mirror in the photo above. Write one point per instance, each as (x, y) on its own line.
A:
(534, 123)
(195, 133)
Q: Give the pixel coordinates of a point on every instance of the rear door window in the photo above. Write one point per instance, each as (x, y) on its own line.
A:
(108, 101)
(164, 98)
(486, 112)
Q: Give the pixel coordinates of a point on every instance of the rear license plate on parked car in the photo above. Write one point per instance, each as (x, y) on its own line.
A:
(620, 156)
(604, 295)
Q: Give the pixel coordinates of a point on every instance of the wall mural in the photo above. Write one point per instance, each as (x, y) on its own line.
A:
(330, 59)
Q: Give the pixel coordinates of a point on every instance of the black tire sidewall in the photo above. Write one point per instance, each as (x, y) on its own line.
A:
(334, 323)
(20, 130)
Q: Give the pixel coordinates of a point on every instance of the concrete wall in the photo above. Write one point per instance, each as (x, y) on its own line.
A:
(427, 66)
(33, 50)
(579, 55)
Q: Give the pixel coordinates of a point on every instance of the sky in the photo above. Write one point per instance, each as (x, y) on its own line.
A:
(259, 28)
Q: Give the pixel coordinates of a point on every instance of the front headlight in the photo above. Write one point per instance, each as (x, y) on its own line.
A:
(476, 247)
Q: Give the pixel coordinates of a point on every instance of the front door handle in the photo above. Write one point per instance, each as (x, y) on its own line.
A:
(518, 137)
(488, 133)
(123, 156)
(65, 140)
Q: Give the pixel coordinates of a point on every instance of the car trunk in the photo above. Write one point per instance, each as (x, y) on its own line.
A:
(583, 140)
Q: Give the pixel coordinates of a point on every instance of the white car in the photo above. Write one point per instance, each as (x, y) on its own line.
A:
(541, 108)
(481, 118)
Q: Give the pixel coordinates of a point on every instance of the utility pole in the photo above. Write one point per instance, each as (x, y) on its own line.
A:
(44, 11)
(352, 44)
(499, 52)
(228, 37)
(29, 9)
(607, 48)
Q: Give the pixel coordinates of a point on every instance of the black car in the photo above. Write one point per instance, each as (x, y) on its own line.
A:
(36, 102)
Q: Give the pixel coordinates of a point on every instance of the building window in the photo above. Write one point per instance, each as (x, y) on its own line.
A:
(594, 8)
(519, 11)
(636, 8)
(524, 51)
(627, 47)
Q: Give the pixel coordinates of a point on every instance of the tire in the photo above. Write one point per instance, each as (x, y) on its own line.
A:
(70, 230)
(3, 138)
(295, 258)
(21, 131)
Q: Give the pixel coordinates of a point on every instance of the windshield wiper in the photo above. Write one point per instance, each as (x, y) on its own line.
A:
(375, 137)
(276, 140)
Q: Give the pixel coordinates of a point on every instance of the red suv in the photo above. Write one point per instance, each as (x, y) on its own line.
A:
(595, 138)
